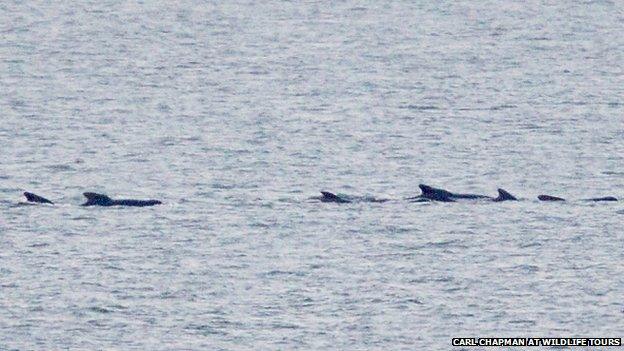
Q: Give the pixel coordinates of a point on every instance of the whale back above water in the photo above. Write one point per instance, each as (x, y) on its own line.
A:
(469, 196)
(430, 193)
(95, 199)
(435, 194)
(331, 197)
(136, 203)
(550, 198)
(606, 198)
(594, 199)
(30, 197)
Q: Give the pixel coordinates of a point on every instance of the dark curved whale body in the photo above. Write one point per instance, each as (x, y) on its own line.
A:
(30, 197)
(433, 194)
(95, 199)
(331, 197)
(595, 199)
(549, 198)
(606, 198)
(436, 194)
(326, 196)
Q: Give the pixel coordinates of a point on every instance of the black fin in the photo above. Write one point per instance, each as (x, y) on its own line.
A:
(36, 198)
(504, 195)
(426, 189)
(95, 199)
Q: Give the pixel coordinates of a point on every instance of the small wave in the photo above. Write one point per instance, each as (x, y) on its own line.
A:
(39, 245)
(526, 245)
(414, 301)
(60, 167)
(420, 107)
(284, 326)
(223, 186)
(278, 273)
(204, 329)
(99, 309)
(448, 243)
(526, 268)
(523, 321)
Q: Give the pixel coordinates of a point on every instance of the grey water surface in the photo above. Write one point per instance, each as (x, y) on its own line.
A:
(235, 113)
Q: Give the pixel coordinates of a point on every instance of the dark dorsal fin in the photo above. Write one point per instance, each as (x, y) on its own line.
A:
(36, 198)
(331, 197)
(97, 199)
(426, 189)
(549, 198)
(328, 195)
(504, 195)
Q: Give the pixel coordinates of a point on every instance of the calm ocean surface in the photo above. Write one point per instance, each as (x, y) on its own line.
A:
(235, 113)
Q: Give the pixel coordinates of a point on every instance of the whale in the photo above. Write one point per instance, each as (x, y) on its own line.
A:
(504, 195)
(433, 194)
(594, 199)
(606, 198)
(549, 198)
(95, 199)
(327, 196)
(430, 193)
(30, 197)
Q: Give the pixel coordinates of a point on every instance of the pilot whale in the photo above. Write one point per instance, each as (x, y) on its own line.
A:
(430, 193)
(30, 197)
(606, 198)
(594, 199)
(95, 199)
(326, 196)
